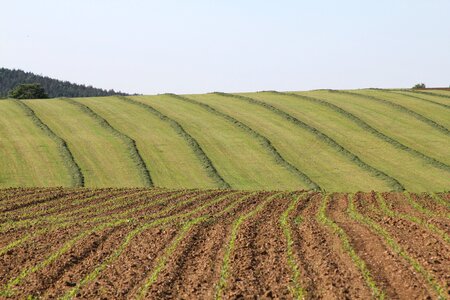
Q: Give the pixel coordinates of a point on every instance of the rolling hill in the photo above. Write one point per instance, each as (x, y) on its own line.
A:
(343, 141)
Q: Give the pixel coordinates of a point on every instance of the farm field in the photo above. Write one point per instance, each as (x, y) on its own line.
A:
(115, 243)
(324, 140)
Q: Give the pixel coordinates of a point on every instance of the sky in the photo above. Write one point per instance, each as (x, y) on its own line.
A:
(199, 46)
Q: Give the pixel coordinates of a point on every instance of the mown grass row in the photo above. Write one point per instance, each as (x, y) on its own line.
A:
(192, 142)
(395, 185)
(225, 269)
(66, 154)
(347, 246)
(408, 94)
(358, 121)
(380, 231)
(130, 143)
(430, 93)
(399, 107)
(265, 142)
(297, 290)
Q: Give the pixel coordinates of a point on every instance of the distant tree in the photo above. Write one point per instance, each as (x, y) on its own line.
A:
(419, 86)
(28, 91)
(9, 79)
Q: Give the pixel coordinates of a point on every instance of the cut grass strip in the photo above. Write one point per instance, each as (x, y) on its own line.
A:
(388, 211)
(231, 242)
(163, 221)
(64, 150)
(8, 289)
(364, 125)
(415, 97)
(395, 185)
(192, 142)
(346, 244)
(380, 231)
(129, 142)
(399, 107)
(297, 289)
(430, 93)
(265, 142)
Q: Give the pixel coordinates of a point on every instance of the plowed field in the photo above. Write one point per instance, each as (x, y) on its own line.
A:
(61, 243)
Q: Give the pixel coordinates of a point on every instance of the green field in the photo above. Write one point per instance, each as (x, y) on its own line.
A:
(356, 140)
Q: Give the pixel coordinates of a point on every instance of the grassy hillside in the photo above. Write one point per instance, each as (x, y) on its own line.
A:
(330, 140)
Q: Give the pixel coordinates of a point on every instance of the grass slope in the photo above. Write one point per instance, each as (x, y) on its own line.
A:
(329, 168)
(28, 157)
(103, 157)
(429, 110)
(412, 171)
(394, 123)
(239, 157)
(170, 160)
(333, 140)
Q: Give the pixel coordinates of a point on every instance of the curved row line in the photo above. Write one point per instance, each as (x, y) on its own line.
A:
(394, 245)
(191, 141)
(400, 108)
(386, 208)
(224, 272)
(128, 141)
(431, 94)
(64, 150)
(364, 125)
(394, 183)
(323, 218)
(297, 289)
(187, 219)
(265, 142)
(8, 289)
(170, 248)
(408, 94)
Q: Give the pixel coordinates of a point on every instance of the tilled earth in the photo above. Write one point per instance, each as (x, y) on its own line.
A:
(58, 243)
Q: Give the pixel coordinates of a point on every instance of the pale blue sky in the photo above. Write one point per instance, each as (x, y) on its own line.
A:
(201, 46)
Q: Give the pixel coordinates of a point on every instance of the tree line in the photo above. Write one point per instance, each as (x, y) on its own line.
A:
(11, 79)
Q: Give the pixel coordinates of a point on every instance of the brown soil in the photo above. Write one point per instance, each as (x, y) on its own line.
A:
(328, 272)
(388, 269)
(258, 266)
(422, 245)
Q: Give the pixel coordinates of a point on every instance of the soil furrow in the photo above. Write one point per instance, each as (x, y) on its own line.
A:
(259, 264)
(196, 261)
(328, 274)
(391, 273)
(421, 245)
(52, 280)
